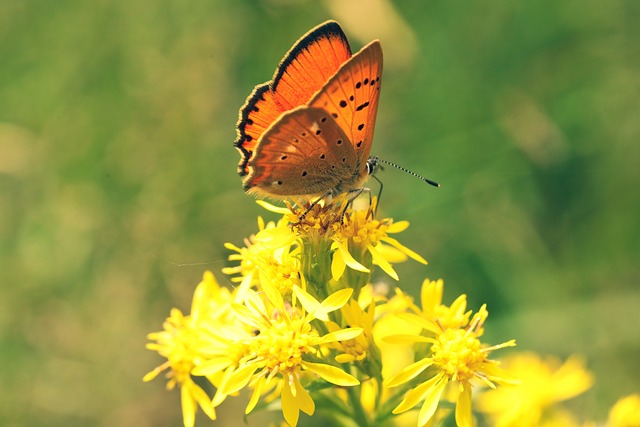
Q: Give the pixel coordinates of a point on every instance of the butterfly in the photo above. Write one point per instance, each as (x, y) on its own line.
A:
(308, 132)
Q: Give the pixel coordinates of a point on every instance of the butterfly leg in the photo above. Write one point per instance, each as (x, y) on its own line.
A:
(379, 193)
(315, 202)
(352, 195)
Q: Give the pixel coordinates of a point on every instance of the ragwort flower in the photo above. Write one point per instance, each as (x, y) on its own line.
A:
(543, 384)
(456, 355)
(285, 351)
(360, 236)
(270, 260)
(180, 343)
(626, 412)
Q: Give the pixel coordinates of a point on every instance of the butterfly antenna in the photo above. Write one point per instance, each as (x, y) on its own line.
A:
(375, 160)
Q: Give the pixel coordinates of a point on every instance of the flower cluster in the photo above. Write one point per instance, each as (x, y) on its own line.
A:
(305, 330)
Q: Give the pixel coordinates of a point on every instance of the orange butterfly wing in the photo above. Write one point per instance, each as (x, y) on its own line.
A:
(304, 153)
(351, 98)
(301, 73)
(323, 146)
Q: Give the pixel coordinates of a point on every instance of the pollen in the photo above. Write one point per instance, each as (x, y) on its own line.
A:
(359, 226)
(284, 343)
(459, 354)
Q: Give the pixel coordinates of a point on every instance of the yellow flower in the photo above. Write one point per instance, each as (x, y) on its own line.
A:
(285, 350)
(360, 235)
(360, 347)
(269, 260)
(356, 238)
(543, 383)
(626, 412)
(454, 316)
(456, 355)
(180, 341)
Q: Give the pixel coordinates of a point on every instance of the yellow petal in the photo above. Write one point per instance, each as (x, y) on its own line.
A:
(431, 402)
(151, 375)
(203, 295)
(213, 365)
(200, 396)
(573, 378)
(341, 335)
(188, 407)
(274, 238)
(232, 247)
(391, 254)
(303, 398)
(336, 300)
(398, 227)
(220, 396)
(348, 259)
(406, 339)
(248, 316)
(416, 395)
(497, 374)
(310, 304)
(257, 392)
(625, 412)
(420, 321)
(383, 263)
(290, 408)
(464, 418)
(331, 374)
(431, 294)
(345, 358)
(409, 372)
(270, 289)
(406, 250)
(240, 378)
(273, 208)
(337, 265)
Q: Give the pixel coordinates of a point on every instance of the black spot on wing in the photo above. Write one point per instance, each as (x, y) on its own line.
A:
(362, 106)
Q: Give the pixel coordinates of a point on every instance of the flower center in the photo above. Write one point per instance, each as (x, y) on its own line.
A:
(362, 228)
(458, 353)
(284, 343)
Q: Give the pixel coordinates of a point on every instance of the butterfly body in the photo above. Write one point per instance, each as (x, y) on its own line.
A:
(308, 132)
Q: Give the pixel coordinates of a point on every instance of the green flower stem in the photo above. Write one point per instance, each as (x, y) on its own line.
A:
(316, 268)
(359, 416)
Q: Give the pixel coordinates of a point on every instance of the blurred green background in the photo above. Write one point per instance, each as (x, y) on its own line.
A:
(118, 185)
